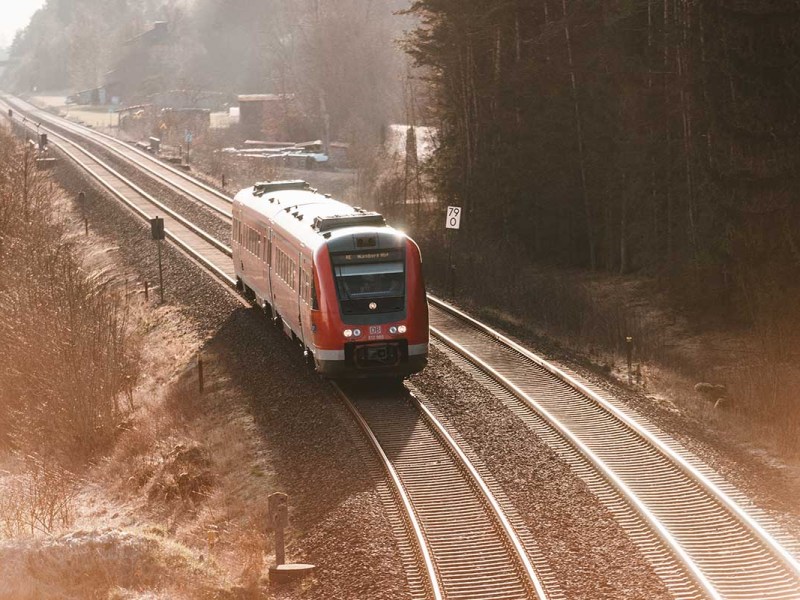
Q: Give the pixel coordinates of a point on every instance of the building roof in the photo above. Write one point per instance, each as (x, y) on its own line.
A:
(264, 97)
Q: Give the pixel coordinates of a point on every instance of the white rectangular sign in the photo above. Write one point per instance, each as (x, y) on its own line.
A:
(453, 217)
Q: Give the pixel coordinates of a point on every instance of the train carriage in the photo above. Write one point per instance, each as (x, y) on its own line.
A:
(337, 279)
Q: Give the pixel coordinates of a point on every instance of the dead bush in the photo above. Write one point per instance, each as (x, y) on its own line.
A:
(68, 354)
(40, 500)
(184, 475)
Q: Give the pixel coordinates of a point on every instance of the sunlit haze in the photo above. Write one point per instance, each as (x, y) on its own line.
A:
(15, 15)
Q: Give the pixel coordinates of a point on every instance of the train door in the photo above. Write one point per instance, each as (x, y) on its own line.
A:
(271, 269)
(303, 297)
(268, 268)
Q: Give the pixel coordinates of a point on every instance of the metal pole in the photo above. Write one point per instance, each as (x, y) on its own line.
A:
(451, 265)
(160, 273)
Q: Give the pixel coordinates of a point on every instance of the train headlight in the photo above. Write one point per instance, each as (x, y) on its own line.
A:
(392, 329)
(356, 332)
(401, 329)
(348, 333)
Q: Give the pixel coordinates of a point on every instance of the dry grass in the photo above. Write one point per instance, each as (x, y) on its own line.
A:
(39, 500)
(68, 353)
(106, 564)
(190, 470)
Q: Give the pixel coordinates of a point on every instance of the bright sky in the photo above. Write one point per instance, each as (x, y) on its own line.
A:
(14, 15)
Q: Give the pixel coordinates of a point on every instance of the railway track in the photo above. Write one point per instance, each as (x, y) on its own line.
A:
(686, 520)
(201, 246)
(699, 540)
(475, 551)
(452, 524)
(175, 179)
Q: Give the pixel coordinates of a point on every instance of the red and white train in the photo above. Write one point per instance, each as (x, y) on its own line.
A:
(343, 284)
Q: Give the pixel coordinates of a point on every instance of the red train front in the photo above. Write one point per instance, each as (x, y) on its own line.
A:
(348, 288)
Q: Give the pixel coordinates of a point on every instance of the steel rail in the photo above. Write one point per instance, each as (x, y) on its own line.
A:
(712, 491)
(480, 557)
(508, 529)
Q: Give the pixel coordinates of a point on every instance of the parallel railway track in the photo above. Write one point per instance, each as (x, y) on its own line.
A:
(175, 179)
(462, 544)
(701, 542)
(698, 539)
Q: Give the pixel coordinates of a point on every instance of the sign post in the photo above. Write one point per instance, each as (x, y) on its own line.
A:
(157, 233)
(452, 222)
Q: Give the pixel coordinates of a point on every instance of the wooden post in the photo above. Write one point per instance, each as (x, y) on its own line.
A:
(146, 290)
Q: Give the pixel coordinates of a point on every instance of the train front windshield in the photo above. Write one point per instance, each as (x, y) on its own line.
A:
(370, 280)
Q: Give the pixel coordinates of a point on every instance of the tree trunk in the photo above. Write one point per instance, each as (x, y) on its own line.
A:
(579, 136)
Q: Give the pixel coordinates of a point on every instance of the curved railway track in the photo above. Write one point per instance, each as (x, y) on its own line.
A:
(455, 528)
(175, 179)
(686, 519)
(475, 552)
(701, 542)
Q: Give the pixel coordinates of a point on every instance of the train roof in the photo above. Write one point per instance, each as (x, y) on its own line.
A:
(309, 216)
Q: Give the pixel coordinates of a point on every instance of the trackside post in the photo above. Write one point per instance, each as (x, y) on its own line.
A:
(629, 352)
(277, 521)
(157, 233)
(452, 221)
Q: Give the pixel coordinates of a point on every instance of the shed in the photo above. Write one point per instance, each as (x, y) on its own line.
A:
(264, 116)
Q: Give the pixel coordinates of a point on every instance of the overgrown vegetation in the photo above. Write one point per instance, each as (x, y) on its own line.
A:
(68, 355)
(150, 474)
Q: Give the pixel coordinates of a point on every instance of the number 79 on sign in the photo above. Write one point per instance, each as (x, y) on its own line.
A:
(453, 220)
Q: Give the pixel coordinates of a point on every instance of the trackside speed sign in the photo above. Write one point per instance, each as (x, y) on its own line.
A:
(453, 220)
